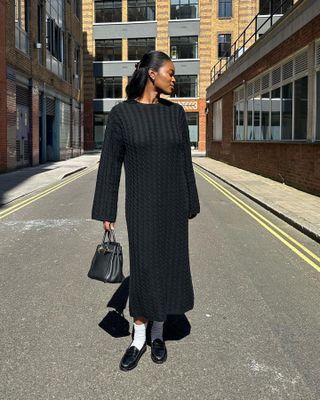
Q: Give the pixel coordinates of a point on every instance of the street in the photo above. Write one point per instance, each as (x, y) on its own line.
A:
(254, 328)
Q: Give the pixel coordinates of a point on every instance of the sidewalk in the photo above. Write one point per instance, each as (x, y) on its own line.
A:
(300, 209)
(23, 181)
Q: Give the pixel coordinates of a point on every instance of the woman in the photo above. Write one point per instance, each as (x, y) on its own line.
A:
(150, 135)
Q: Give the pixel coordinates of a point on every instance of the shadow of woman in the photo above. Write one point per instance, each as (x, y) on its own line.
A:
(176, 327)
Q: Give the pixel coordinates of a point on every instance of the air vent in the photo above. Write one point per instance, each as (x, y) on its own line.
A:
(250, 89)
(276, 76)
(241, 94)
(265, 81)
(287, 70)
(301, 63)
(318, 55)
(257, 86)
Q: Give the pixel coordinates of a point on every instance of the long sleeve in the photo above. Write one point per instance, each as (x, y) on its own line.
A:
(194, 205)
(105, 200)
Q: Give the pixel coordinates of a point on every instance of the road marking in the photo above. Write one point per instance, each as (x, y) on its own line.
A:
(29, 200)
(270, 226)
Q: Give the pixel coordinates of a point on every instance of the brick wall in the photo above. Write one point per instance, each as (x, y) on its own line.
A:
(88, 86)
(296, 164)
(3, 88)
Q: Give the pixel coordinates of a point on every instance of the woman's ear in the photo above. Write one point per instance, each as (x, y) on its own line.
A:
(152, 74)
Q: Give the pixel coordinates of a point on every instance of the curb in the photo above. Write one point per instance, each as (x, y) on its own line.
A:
(73, 172)
(290, 220)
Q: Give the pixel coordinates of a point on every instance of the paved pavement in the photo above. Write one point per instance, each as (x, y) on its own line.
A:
(21, 182)
(294, 206)
(252, 335)
(300, 209)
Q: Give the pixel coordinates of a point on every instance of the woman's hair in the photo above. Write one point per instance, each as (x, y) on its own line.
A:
(153, 59)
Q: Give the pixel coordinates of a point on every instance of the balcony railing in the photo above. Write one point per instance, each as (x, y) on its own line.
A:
(248, 37)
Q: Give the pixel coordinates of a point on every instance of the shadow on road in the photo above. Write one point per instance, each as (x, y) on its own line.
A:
(176, 327)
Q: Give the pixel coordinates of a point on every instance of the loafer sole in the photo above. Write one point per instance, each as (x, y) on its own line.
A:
(142, 351)
(159, 361)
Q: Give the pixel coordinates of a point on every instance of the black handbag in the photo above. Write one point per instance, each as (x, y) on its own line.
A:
(107, 262)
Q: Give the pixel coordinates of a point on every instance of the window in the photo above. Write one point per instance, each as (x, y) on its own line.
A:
(138, 47)
(224, 45)
(193, 124)
(217, 120)
(277, 103)
(55, 46)
(54, 39)
(40, 30)
(300, 108)
(268, 7)
(184, 9)
(318, 106)
(100, 122)
(186, 86)
(141, 10)
(21, 25)
(184, 47)
(77, 8)
(109, 87)
(108, 50)
(225, 8)
(76, 70)
(287, 108)
(108, 10)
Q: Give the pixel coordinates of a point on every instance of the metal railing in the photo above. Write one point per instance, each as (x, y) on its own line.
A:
(250, 33)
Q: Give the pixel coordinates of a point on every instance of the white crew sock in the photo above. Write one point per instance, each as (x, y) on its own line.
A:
(139, 336)
(157, 330)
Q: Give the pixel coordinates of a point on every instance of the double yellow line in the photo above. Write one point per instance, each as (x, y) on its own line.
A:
(304, 253)
(11, 209)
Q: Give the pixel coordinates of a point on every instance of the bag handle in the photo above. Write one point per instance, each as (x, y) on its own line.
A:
(110, 235)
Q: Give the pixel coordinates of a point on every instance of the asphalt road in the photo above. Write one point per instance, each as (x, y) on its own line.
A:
(254, 329)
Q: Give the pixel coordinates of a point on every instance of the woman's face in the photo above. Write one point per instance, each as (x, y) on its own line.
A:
(164, 78)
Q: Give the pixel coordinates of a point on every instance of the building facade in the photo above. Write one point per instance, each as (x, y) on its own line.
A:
(41, 80)
(195, 33)
(264, 111)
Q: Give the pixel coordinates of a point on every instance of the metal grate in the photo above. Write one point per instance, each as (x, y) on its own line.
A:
(265, 81)
(276, 76)
(257, 85)
(318, 55)
(250, 89)
(301, 63)
(287, 70)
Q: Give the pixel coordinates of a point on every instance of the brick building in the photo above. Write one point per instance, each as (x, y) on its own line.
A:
(40, 78)
(264, 111)
(195, 33)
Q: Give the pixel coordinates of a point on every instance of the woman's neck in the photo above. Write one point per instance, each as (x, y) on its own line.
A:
(149, 97)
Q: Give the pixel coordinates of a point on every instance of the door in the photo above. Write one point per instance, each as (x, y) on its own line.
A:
(22, 136)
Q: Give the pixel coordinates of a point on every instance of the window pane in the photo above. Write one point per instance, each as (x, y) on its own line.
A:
(318, 107)
(184, 47)
(225, 7)
(250, 116)
(256, 117)
(186, 86)
(300, 108)
(287, 112)
(239, 121)
(192, 119)
(275, 114)
(138, 47)
(224, 45)
(265, 115)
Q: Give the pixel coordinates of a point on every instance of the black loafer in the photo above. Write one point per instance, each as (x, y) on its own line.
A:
(158, 351)
(131, 357)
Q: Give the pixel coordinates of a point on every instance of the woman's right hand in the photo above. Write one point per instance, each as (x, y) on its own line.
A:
(108, 225)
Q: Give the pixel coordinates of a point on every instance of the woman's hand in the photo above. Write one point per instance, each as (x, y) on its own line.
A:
(108, 225)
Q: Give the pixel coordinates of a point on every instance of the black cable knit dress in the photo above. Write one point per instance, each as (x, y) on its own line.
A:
(161, 195)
